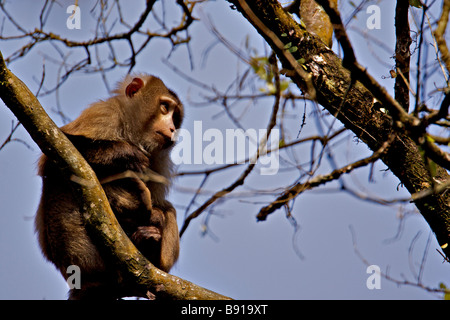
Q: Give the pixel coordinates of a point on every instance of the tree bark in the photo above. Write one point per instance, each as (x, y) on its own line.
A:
(402, 53)
(354, 105)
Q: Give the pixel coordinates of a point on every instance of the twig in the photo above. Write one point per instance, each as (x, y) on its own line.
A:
(299, 188)
(240, 180)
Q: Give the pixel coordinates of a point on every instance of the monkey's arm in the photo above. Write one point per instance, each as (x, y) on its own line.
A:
(315, 18)
(170, 242)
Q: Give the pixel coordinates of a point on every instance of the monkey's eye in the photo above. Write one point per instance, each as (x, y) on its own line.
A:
(164, 107)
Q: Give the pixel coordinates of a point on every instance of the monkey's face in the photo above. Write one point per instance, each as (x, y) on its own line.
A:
(160, 112)
(167, 121)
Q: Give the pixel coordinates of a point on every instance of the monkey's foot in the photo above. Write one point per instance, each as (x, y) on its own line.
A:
(144, 233)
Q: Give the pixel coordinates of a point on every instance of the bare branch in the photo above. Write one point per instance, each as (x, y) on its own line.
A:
(299, 188)
(439, 34)
(248, 170)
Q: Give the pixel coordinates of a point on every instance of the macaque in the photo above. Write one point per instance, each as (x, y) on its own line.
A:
(127, 140)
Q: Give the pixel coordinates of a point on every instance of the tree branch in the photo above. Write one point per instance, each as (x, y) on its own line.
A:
(402, 54)
(355, 109)
(240, 180)
(439, 34)
(299, 188)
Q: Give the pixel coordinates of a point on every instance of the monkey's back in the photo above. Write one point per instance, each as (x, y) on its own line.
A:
(59, 224)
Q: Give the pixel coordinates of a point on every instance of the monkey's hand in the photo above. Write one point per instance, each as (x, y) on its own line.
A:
(145, 233)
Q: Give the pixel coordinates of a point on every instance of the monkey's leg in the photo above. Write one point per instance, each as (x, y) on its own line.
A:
(146, 196)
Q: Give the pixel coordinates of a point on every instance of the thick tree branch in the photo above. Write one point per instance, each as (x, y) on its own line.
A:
(439, 34)
(354, 107)
(402, 54)
(100, 221)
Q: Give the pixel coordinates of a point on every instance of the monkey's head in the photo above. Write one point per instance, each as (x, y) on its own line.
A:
(143, 111)
(152, 112)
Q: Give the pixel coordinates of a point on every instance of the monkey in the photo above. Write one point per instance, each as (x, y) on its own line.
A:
(127, 140)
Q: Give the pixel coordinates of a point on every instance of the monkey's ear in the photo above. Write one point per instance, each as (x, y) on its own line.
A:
(134, 87)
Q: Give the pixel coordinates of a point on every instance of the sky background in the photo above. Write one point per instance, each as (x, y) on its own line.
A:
(239, 257)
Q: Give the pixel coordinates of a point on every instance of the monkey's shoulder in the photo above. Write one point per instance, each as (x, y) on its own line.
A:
(110, 155)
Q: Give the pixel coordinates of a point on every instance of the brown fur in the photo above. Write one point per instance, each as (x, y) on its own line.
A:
(115, 136)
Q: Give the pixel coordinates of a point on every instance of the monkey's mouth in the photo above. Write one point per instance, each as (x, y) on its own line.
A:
(164, 140)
